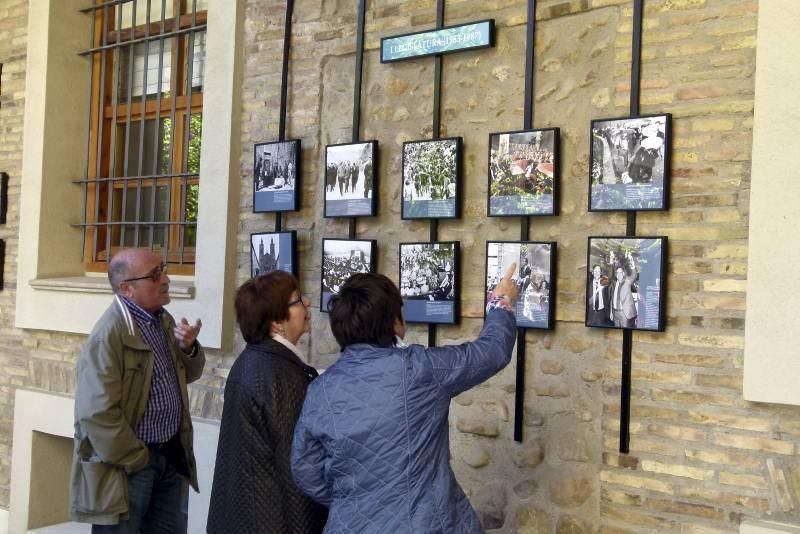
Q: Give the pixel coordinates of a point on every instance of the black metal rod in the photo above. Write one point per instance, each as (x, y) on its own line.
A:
(159, 135)
(126, 142)
(174, 81)
(88, 142)
(278, 221)
(95, 7)
(100, 123)
(287, 37)
(519, 394)
(187, 127)
(359, 66)
(144, 177)
(630, 230)
(437, 114)
(165, 35)
(636, 56)
(142, 123)
(142, 223)
(625, 393)
(529, 64)
(112, 170)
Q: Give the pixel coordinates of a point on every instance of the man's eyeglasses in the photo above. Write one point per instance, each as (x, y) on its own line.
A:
(154, 276)
(301, 300)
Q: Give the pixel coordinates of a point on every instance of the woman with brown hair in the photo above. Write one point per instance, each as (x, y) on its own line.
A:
(253, 489)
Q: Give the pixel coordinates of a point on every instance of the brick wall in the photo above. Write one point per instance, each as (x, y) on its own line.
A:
(701, 458)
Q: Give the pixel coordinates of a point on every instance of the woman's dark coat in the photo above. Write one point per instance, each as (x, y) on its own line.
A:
(253, 490)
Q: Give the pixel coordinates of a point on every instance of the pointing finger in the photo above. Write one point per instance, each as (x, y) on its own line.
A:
(510, 271)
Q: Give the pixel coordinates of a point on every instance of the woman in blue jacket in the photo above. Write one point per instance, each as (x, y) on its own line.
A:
(372, 441)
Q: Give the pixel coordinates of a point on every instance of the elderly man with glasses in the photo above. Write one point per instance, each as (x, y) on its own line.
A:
(133, 431)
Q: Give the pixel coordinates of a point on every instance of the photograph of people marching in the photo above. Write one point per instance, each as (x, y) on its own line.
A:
(350, 172)
(342, 258)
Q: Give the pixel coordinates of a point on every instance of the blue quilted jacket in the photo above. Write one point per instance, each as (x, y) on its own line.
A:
(372, 441)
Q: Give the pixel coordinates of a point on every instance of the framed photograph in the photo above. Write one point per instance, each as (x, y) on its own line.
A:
(429, 282)
(3, 197)
(350, 179)
(270, 251)
(535, 278)
(342, 258)
(432, 179)
(524, 173)
(629, 163)
(625, 283)
(276, 169)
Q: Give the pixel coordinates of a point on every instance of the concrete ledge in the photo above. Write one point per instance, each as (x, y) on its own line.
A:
(752, 526)
(178, 289)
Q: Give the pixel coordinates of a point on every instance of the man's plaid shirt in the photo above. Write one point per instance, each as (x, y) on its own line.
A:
(164, 412)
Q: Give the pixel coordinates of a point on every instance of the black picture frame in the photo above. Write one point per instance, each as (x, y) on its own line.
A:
(3, 197)
(277, 189)
(492, 33)
(517, 188)
(281, 255)
(2, 261)
(434, 296)
(343, 197)
(629, 163)
(536, 281)
(346, 258)
(444, 199)
(642, 289)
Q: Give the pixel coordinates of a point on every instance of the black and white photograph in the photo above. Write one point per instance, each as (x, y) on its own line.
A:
(625, 282)
(535, 278)
(342, 258)
(523, 173)
(429, 282)
(350, 179)
(271, 251)
(3, 197)
(276, 168)
(432, 179)
(629, 163)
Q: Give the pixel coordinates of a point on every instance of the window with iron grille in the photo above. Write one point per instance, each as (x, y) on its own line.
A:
(142, 170)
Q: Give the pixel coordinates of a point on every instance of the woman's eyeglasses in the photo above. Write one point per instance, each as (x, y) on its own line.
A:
(301, 300)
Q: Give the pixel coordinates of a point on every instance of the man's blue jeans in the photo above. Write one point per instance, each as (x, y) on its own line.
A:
(158, 499)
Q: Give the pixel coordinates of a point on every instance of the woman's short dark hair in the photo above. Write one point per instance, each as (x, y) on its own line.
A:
(365, 310)
(262, 301)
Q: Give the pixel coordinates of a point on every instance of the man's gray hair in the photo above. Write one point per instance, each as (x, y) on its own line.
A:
(118, 270)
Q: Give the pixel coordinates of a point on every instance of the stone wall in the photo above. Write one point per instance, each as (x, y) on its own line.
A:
(702, 459)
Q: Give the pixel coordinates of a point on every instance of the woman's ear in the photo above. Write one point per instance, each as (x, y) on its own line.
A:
(400, 327)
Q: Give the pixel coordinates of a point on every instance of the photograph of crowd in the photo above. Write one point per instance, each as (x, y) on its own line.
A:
(431, 173)
(350, 174)
(625, 282)
(270, 251)
(534, 278)
(275, 172)
(523, 172)
(428, 281)
(630, 163)
(342, 258)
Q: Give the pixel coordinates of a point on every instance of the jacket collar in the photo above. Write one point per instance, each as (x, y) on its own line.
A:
(278, 349)
(131, 337)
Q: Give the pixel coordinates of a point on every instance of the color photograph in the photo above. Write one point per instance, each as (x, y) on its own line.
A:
(629, 164)
(534, 278)
(625, 282)
(523, 173)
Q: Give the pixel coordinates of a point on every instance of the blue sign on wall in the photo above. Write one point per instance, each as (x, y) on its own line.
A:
(442, 41)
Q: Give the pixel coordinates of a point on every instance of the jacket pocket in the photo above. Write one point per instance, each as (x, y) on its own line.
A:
(103, 489)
